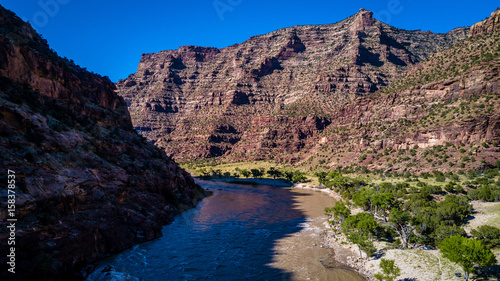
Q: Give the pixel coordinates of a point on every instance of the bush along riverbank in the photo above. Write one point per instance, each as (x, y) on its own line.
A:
(408, 227)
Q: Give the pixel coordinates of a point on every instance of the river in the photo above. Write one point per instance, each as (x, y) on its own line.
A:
(241, 232)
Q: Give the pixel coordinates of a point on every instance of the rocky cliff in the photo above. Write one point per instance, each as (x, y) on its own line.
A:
(87, 185)
(486, 26)
(443, 115)
(200, 102)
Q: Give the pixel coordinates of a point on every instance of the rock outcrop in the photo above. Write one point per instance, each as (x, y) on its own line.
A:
(486, 26)
(87, 185)
(179, 99)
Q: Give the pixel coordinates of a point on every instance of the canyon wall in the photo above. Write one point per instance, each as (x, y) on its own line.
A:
(202, 102)
(87, 185)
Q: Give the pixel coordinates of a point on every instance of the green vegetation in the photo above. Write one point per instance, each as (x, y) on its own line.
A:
(247, 170)
(274, 173)
(389, 270)
(468, 253)
(488, 235)
(455, 61)
(244, 173)
(409, 212)
(339, 212)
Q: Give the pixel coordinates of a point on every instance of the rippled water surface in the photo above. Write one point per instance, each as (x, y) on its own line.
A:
(242, 232)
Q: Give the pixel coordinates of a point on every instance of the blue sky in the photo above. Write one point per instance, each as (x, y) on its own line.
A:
(108, 36)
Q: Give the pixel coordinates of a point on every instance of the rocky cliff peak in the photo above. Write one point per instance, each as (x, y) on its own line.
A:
(488, 25)
(363, 19)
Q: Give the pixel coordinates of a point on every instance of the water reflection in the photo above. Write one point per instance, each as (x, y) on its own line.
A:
(240, 233)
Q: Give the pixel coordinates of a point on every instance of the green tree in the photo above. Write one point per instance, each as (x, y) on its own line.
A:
(467, 253)
(453, 210)
(279, 174)
(262, 171)
(359, 229)
(363, 223)
(364, 198)
(488, 235)
(288, 175)
(272, 172)
(298, 176)
(400, 221)
(321, 177)
(256, 173)
(443, 231)
(339, 212)
(244, 173)
(389, 270)
(383, 202)
(343, 185)
(363, 243)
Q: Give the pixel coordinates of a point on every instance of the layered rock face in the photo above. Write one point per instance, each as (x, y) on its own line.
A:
(486, 26)
(276, 91)
(87, 185)
(443, 115)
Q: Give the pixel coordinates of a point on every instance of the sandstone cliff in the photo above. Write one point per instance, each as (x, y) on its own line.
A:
(356, 93)
(486, 26)
(87, 185)
(443, 115)
(275, 91)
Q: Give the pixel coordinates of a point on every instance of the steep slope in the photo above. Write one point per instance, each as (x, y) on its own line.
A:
(443, 115)
(199, 102)
(86, 184)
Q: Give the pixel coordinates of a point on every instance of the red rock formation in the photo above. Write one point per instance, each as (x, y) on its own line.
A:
(87, 185)
(177, 100)
(449, 104)
(267, 90)
(486, 26)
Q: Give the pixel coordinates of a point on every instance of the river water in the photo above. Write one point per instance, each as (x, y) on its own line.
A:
(241, 232)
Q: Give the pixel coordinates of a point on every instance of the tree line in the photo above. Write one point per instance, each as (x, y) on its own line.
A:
(409, 217)
(291, 175)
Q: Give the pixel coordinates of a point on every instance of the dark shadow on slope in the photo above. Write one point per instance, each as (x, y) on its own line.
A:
(365, 56)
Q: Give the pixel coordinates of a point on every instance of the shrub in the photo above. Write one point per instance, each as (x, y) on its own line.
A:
(488, 235)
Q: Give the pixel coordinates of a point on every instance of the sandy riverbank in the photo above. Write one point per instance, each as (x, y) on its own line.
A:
(326, 191)
(345, 254)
